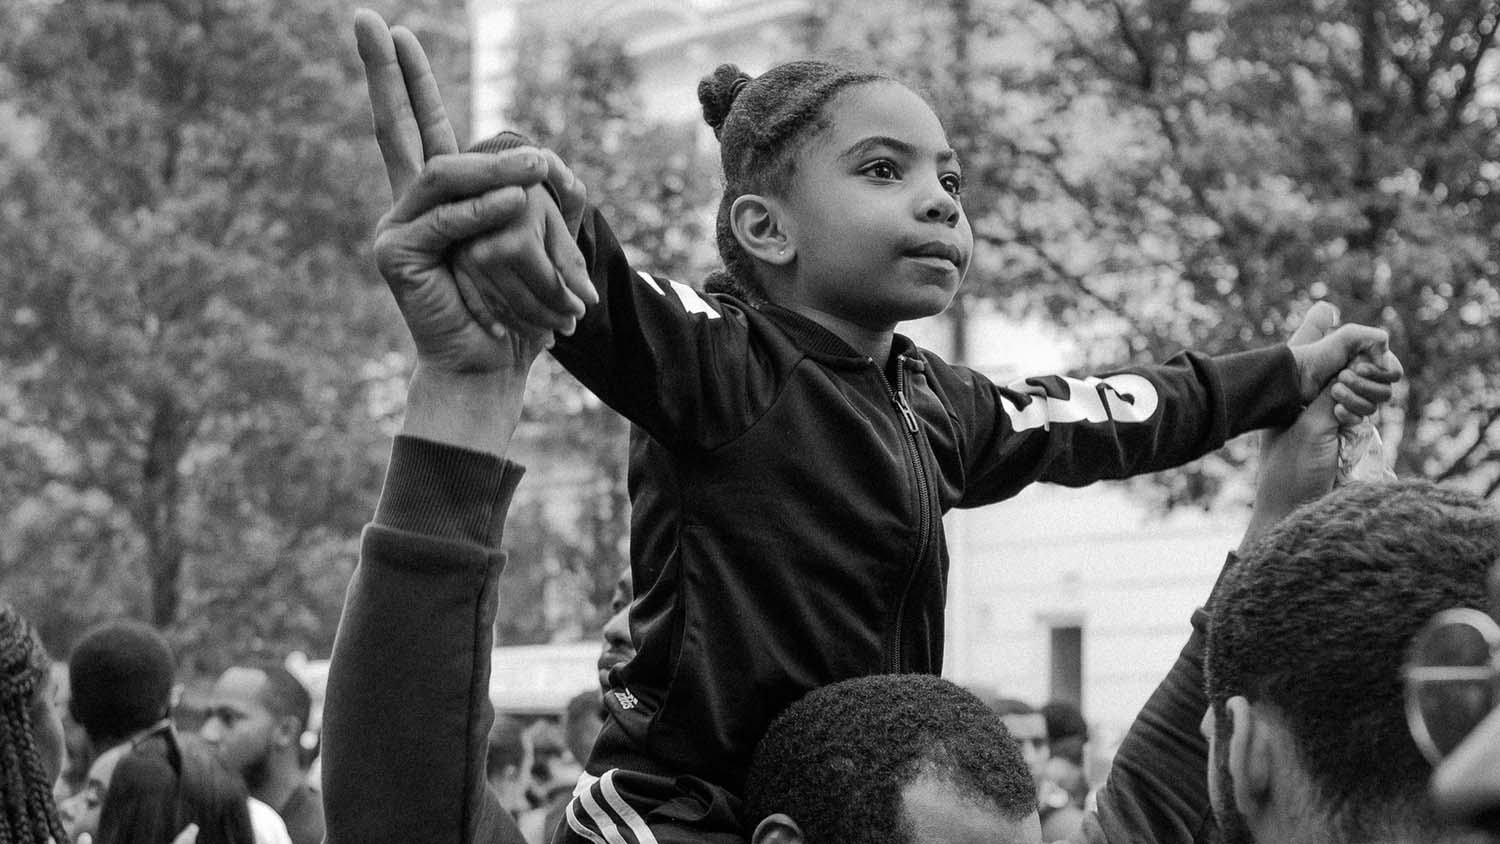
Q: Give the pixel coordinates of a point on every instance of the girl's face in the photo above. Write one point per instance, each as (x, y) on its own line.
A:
(80, 813)
(872, 218)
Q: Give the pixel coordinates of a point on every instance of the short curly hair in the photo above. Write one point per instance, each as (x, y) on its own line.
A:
(837, 760)
(1315, 620)
(120, 674)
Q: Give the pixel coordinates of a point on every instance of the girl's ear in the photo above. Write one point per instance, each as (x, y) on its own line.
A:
(758, 226)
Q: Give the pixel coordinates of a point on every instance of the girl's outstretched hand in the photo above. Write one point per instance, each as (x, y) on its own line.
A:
(1354, 360)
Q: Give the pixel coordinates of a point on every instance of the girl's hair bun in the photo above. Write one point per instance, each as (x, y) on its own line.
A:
(717, 92)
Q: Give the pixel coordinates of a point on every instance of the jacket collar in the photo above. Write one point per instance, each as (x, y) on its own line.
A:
(819, 341)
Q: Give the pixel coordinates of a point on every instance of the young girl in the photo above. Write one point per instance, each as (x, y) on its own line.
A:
(793, 456)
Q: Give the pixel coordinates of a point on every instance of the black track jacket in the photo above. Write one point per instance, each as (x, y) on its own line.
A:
(787, 493)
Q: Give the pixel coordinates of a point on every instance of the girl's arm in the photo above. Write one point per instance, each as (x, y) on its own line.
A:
(1074, 431)
(1144, 419)
(674, 361)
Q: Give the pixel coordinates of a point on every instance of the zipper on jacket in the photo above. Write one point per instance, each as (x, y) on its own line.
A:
(924, 512)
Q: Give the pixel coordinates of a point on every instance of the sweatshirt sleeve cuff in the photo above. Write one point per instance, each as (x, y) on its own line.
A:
(1261, 388)
(446, 492)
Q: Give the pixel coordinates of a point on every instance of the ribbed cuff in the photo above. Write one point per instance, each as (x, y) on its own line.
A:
(446, 492)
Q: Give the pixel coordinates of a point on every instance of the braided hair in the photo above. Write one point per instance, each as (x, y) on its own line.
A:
(28, 814)
(761, 124)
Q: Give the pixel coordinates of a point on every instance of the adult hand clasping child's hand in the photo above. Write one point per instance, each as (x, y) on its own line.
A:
(443, 198)
(1356, 355)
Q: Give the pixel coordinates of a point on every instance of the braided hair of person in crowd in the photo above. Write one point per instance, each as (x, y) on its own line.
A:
(28, 814)
(761, 124)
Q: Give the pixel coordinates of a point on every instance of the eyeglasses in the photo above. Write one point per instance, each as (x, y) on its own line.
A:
(1452, 679)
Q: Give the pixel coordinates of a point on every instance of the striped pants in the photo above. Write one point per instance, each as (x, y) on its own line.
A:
(626, 807)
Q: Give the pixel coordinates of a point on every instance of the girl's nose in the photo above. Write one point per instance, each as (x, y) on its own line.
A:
(940, 206)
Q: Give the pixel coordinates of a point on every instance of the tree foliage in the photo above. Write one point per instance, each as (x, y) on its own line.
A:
(199, 373)
(192, 356)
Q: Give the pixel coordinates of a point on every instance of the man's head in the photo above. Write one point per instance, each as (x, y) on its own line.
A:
(120, 680)
(905, 758)
(1029, 728)
(1303, 664)
(618, 647)
(1067, 730)
(255, 722)
(581, 721)
(507, 762)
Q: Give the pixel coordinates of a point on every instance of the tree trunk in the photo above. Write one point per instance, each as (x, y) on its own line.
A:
(161, 506)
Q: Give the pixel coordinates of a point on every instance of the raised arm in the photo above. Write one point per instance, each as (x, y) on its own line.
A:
(1157, 790)
(407, 709)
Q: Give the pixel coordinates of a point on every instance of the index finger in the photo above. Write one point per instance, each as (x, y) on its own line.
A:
(422, 91)
(396, 130)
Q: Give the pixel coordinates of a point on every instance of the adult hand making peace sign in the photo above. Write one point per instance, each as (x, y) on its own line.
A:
(492, 207)
(453, 213)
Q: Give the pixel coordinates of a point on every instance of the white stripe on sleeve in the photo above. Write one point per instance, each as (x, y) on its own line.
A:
(626, 812)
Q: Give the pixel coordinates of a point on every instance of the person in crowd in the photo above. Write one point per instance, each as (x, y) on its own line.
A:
(31, 736)
(619, 649)
(1028, 728)
(1303, 662)
(862, 759)
(1027, 725)
(1067, 730)
(1062, 797)
(163, 783)
(581, 721)
(554, 774)
(120, 678)
(507, 764)
(841, 218)
(75, 739)
(255, 722)
(80, 810)
(1063, 789)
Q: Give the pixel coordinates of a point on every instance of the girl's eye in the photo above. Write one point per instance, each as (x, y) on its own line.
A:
(881, 170)
(953, 183)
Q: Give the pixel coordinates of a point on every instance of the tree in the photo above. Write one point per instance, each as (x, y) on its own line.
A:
(197, 349)
(1161, 175)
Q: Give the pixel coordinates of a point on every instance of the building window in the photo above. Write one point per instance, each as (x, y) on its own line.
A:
(1066, 673)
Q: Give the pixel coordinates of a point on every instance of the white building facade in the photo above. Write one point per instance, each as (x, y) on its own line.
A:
(1057, 593)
